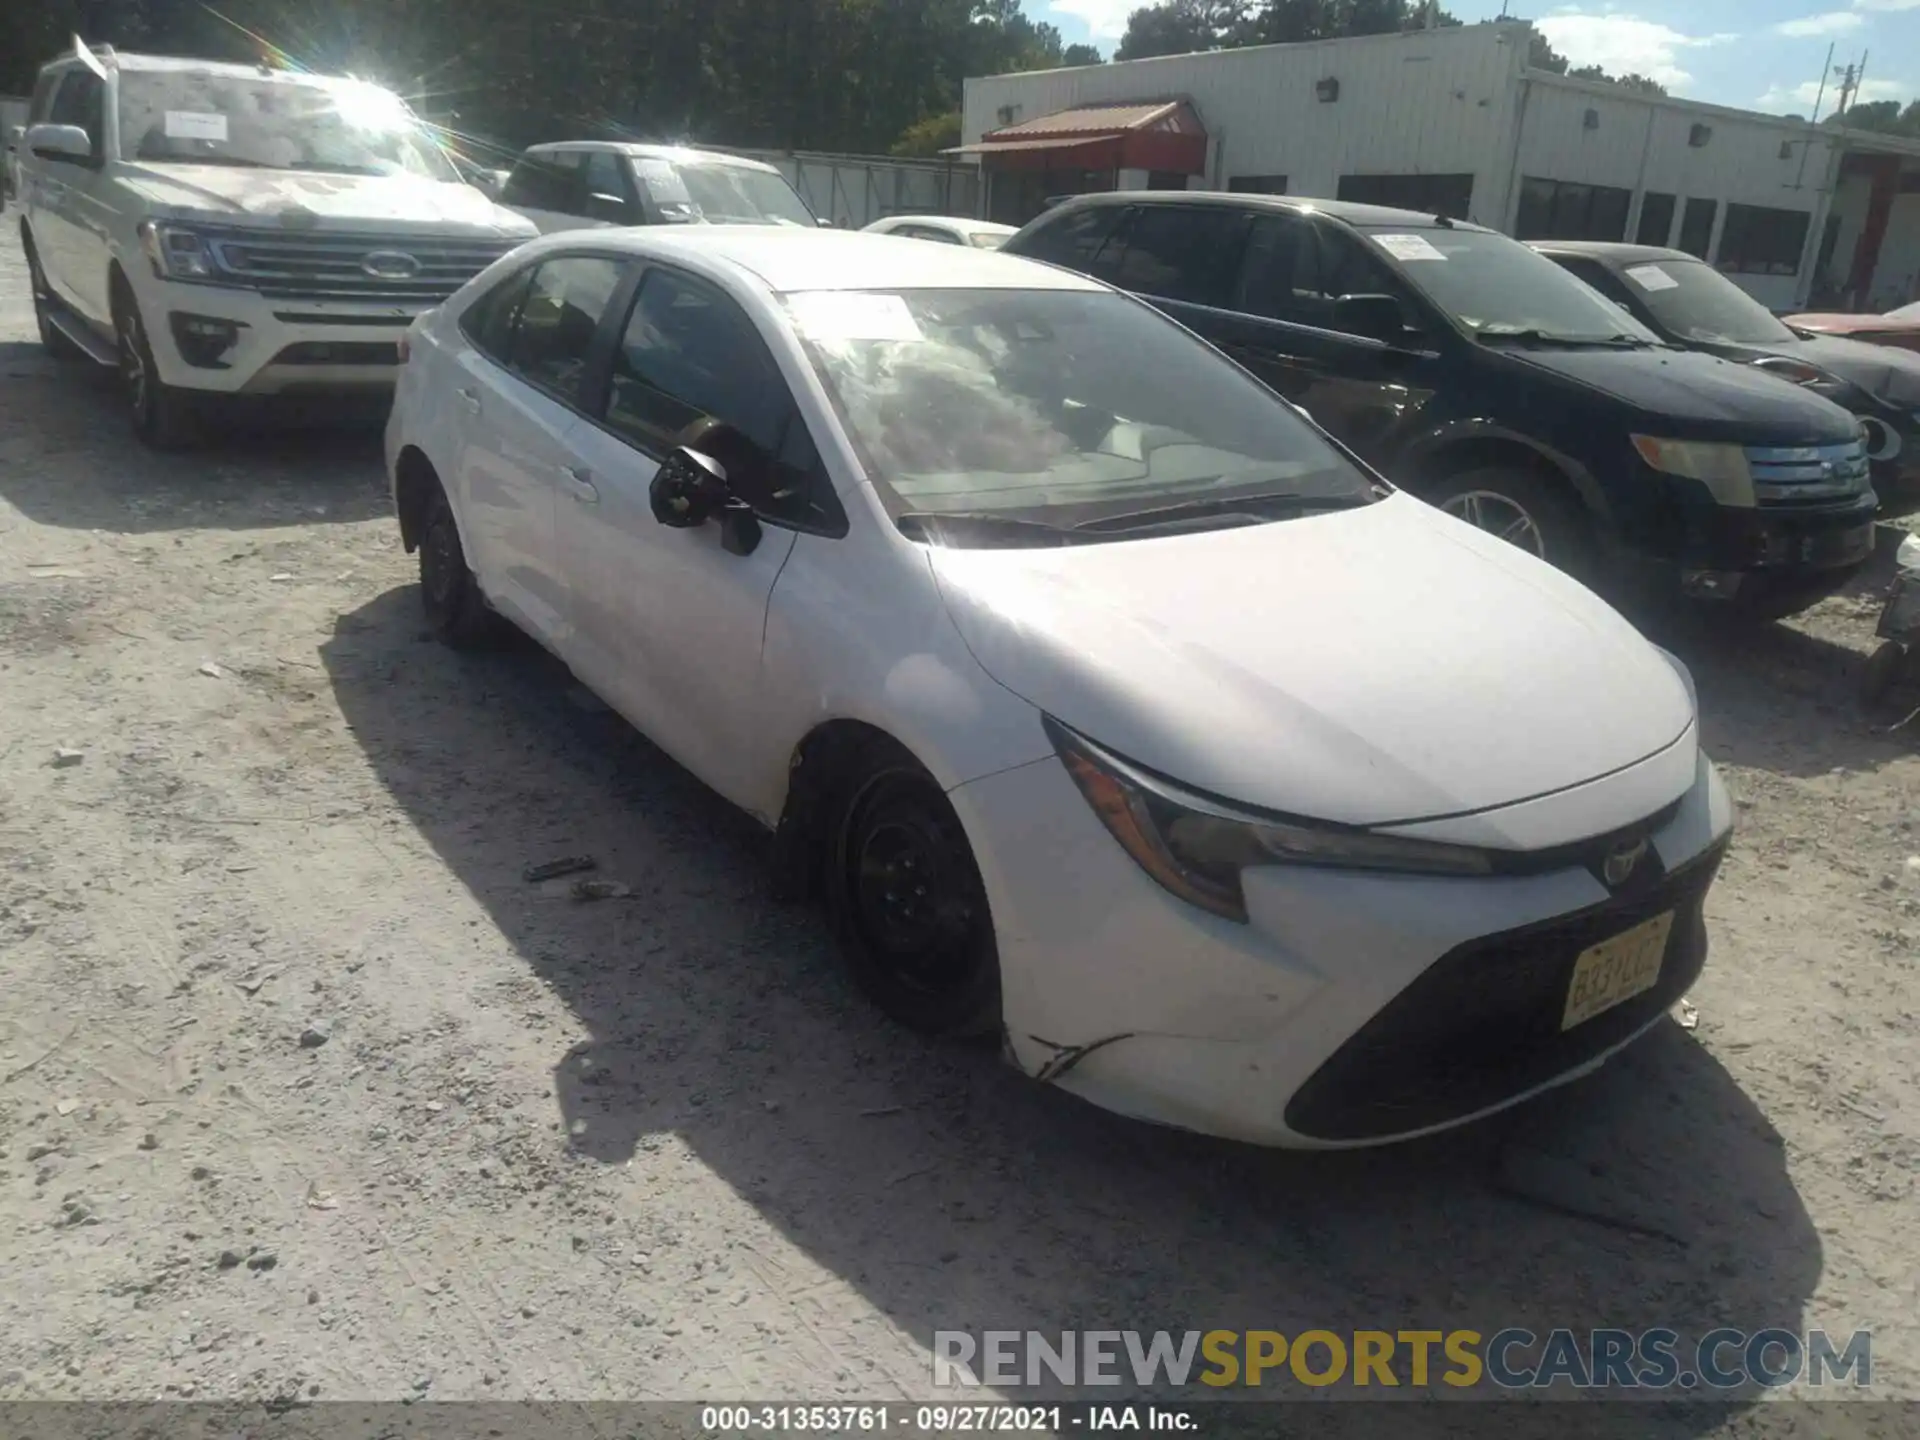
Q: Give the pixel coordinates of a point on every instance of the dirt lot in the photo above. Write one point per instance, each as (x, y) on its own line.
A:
(277, 994)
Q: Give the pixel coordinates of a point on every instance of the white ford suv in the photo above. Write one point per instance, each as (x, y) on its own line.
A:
(221, 230)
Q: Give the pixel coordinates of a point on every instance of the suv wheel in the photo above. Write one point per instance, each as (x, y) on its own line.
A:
(161, 414)
(56, 343)
(1520, 508)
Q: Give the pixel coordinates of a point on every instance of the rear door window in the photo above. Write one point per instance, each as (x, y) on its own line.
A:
(1177, 252)
(608, 186)
(1279, 276)
(547, 181)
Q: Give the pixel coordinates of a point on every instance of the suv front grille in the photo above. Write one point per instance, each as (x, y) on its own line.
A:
(1804, 474)
(399, 269)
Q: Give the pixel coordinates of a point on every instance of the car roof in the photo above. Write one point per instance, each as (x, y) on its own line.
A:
(124, 60)
(959, 222)
(1613, 252)
(789, 259)
(1349, 211)
(679, 153)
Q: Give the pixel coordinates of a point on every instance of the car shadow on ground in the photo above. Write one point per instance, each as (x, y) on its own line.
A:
(255, 467)
(953, 1193)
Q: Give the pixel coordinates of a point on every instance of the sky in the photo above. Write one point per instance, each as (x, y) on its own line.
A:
(1755, 54)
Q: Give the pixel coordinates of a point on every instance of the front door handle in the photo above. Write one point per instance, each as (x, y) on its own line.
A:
(579, 486)
(470, 399)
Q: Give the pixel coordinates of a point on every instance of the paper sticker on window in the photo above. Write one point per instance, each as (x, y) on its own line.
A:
(190, 125)
(1408, 247)
(839, 315)
(1651, 277)
(663, 182)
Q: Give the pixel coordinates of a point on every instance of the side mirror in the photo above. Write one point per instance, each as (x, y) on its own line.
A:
(610, 208)
(60, 142)
(689, 489)
(1378, 317)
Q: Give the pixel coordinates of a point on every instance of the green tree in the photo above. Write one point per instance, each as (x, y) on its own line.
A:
(929, 135)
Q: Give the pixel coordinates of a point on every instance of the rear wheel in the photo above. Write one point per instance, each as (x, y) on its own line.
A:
(1521, 508)
(162, 416)
(56, 343)
(907, 900)
(449, 592)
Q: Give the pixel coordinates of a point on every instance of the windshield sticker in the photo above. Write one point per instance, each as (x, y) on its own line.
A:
(1652, 277)
(1408, 247)
(663, 182)
(839, 315)
(189, 125)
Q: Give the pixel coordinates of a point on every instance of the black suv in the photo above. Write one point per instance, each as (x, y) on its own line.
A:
(1688, 303)
(1482, 377)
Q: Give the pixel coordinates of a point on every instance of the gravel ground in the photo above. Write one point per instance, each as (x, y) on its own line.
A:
(304, 1091)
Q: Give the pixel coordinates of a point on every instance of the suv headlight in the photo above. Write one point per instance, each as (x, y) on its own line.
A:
(1722, 468)
(176, 252)
(1196, 848)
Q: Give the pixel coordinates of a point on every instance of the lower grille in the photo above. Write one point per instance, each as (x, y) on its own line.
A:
(339, 352)
(1482, 1023)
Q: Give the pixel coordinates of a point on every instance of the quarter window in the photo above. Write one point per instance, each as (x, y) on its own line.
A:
(554, 330)
(691, 369)
(488, 322)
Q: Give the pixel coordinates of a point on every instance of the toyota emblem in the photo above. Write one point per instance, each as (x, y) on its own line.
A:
(1620, 863)
(390, 265)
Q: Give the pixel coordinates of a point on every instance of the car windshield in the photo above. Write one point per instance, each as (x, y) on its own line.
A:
(692, 193)
(1905, 312)
(1495, 286)
(1050, 408)
(1696, 302)
(274, 121)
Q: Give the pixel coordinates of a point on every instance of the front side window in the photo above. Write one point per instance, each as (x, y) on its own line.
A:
(1696, 303)
(1073, 239)
(1495, 287)
(554, 331)
(549, 180)
(1176, 252)
(690, 369)
(277, 121)
(1056, 408)
(81, 101)
(42, 101)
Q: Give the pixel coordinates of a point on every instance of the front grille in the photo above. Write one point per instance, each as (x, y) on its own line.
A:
(1804, 474)
(383, 268)
(1482, 1024)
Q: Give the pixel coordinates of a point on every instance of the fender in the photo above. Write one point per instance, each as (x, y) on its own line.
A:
(1418, 456)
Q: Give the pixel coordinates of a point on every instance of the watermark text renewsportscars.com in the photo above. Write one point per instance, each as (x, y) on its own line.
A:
(1657, 1359)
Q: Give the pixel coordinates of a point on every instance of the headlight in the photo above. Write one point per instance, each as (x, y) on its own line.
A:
(175, 252)
(1196, 848)
(1721, 468)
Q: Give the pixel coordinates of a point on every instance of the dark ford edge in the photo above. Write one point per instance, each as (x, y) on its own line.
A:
(1482, 377)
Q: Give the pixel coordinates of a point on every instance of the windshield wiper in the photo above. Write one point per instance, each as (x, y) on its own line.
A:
(926, 525)
(1535, 335)
(1254, 507)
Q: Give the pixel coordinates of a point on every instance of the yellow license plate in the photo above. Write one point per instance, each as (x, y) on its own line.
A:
(1616, 970)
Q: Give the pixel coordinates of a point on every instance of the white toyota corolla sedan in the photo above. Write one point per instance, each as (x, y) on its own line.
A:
(1104, 701)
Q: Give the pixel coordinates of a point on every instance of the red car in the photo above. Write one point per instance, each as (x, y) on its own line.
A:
(1899, 328)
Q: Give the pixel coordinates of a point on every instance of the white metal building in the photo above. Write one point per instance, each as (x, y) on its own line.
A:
(1455, 119)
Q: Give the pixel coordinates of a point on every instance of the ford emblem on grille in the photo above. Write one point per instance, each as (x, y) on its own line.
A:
(390, 265)
(1619, 865)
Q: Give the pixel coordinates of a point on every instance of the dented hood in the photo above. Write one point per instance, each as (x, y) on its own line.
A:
(1373, 666)
(301, 199)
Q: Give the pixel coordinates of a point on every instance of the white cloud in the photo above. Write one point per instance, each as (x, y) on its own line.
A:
(1625, 45)
(1811, 27)
(1886, 4)
(1107, 19)
(1800, 98)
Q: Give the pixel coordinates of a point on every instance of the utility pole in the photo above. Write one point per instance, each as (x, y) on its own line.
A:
(1800, 174)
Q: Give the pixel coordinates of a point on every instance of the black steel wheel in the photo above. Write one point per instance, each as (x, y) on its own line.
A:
(456, 610)
(908, 903)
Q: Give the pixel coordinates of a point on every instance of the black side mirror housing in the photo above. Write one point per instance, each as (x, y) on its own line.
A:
(690, 489)
(1378, 317)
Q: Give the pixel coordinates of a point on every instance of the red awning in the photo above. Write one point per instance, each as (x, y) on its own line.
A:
(1156, 135)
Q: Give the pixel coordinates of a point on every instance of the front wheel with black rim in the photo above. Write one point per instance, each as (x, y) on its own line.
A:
(162, 416)
(907, 901)
(449, 592)
(1525, 510)
(52, 338)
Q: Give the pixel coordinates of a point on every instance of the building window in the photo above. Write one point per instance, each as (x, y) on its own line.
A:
(1166, 180)
(1696, 227)
(1430, 194)
(1569, 210)
(1258, 184)
(1656, 219)
(1761, 241)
